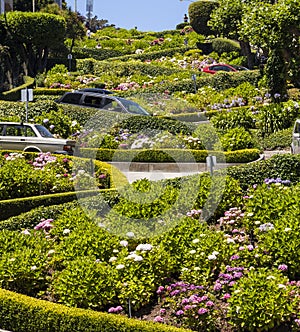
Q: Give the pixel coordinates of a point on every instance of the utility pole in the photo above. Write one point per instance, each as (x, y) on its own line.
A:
(89, 9)
(33, 6)
(75, 5)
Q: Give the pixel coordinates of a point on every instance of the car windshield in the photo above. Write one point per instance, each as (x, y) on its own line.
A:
(43, 131)
(133, 107)
(239, 67)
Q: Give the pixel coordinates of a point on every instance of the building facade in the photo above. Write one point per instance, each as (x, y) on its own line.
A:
(7, 5)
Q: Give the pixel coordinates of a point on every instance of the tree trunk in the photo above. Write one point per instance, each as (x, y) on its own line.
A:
(246, 51)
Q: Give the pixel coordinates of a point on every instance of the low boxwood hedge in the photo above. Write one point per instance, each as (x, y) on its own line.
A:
(170, 155)
(283, 166)
(21, 313)
(13, 207)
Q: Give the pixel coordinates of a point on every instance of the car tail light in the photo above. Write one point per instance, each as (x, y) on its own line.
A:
(68, 148)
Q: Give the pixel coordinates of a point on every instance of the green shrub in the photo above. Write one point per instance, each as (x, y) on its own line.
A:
(233, 119)
(273, 307)
(271, 215)
(223, 45)
(236, 139)
(277, 116)
(280, 139)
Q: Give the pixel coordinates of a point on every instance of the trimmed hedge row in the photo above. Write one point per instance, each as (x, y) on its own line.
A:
(86, 66)
(283, 166)
(21, 313)
(154, 55)
(169, 155)
(15, 94)
(13, 207)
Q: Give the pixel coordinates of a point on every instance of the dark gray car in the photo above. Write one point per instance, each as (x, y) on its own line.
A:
(102, 101)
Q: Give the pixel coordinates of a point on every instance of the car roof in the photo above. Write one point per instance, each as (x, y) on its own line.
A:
(95, 90)
(18, 123)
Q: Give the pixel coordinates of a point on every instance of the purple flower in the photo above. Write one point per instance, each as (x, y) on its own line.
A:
(297, 321)
(217, 286)
(209, 304)
(250, 247)
(234, 257)
(226, 296)
(162, 311)
(282, 267)
(179, 312)
(187, 307)
(202, 311)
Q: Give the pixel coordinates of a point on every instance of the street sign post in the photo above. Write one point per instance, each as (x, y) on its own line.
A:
(26, 96)
(194, 77)
(211, 162)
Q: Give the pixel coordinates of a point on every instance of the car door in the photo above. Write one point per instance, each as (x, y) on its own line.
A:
(296, 138)
(14, 136)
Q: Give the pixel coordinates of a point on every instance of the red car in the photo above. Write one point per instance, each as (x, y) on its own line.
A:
(212, 69)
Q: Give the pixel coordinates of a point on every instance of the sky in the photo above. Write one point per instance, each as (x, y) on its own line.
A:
(146, 15)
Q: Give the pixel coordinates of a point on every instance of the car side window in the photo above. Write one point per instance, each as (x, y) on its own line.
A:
(28, 132)
(1, 129)
(93, 101)
(297, 128)
(112, 105)
(72, 98)
(12, 130)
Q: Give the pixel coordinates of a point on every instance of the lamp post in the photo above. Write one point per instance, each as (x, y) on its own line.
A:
(33, 6)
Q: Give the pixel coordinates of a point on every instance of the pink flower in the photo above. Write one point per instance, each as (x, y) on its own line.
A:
(202, 311)
(158, 319)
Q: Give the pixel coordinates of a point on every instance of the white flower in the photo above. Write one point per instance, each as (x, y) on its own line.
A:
(192, 252)
(124, 243)
(130, 234)
(120, 266)
(281, 286)
(26, 232)
(229, 240)
(112, 259)
(270, 277)
(212, 257)
(138, 258)
(196, 268)
(50, 252)
(215, 253)
(66, 231)
(195, 240)
(287, 229)
(33, 268)
(144, 247)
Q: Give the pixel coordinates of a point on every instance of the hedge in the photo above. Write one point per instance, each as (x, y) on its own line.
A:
(20, 313)
(13, 207)
(284, 166)
(169, 52)
(169, 155)
(86, 66)
(15, 94)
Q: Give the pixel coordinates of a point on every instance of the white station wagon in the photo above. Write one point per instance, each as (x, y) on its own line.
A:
(295, 146)
(31, 137)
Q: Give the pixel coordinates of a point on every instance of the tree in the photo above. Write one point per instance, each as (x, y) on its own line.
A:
(74, 23)
(32, 35)
(276, 28)
(226, 20)
(199, 13)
